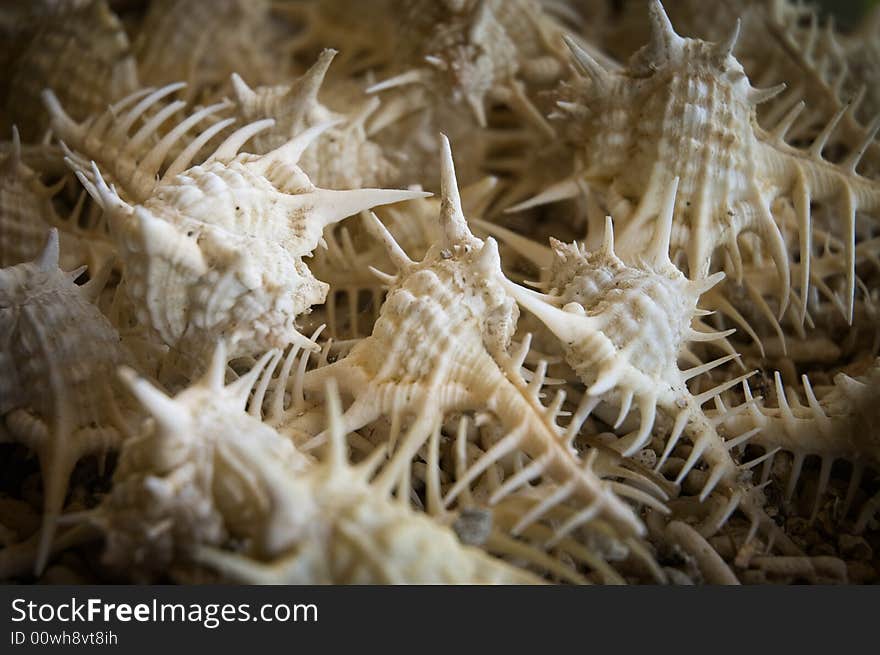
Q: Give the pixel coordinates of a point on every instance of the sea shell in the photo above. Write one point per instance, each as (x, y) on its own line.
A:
(193, 475)
(684, 108)
(79, 48)
(27, 213)
(455, 297)
(343, 157)
(217, 250)
(351, 532)
(622, 328)
(58, 356)
(834, 424)
(476, 50)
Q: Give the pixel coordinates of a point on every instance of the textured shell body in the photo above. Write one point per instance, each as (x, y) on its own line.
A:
(205, 258)
(691, 119)
(343, 157)
(188, 478)
(646, 312)
(80, 49)
(55, 339)
(59, 355)
(436, 299)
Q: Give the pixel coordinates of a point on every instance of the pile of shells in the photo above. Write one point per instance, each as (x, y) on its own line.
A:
(438, 291)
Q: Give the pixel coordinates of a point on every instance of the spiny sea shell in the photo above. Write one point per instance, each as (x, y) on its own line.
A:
(684, 108)
(623, 328)
(217, 250)
(343, 157)
(58, 357)
(455, 296)
(352, 532)
(25, 206)
(835, 424)
(27, 213)
(193, 475)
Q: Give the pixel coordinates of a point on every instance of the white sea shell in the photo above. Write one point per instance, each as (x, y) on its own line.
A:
(217, 250)
(455, 298)
(623, 328)
(349, 531)
(684, 108)
(834, 424)
(343, 157)
(192, 476)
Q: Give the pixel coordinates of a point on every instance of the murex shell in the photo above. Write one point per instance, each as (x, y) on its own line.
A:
(685, 108)
(217, 250)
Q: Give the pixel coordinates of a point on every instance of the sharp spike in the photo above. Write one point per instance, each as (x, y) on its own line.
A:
(819, 142)
(663, 36)
(797, 464)
(625, 405)
(377, 229)
(708, 366)
(169, 416)
(518, 479)
(215, 376)
(588, 66)
(714, 478)
(545, 505)
(725, 48)
(788, 120)
(304, 91)
(721, 388)
(608, 238)
(647, 416)
(48, 258)
(759, 96)
(565, 325)
(329, 206)
(855, 157)
(122, 125)
(228, 150)
(243, 93)
(184, 159)
(414, 76)
(337, 446)
(663, 234)
(452, 220)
